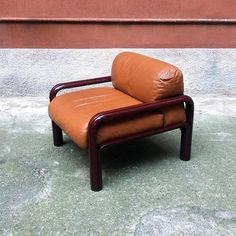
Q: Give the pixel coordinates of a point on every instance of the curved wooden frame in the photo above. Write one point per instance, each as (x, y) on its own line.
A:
(130, 111)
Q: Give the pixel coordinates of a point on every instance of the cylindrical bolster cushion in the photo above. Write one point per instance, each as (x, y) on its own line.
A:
(146, 78)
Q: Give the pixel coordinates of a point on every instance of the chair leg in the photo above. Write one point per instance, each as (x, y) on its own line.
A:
(95, 169)
(186, 141)
(57, 135)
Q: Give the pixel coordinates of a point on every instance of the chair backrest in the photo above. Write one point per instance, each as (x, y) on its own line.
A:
(145, 78)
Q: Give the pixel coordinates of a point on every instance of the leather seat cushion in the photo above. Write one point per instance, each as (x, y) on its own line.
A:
(73, 111)
(145, 78)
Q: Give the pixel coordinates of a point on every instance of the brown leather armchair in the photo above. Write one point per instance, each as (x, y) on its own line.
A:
(146, 99)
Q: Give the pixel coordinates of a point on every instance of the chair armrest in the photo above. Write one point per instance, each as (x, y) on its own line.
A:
(74, 84)
(131, 111)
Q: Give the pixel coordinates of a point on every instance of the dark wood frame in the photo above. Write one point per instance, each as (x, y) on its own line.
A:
(103, 117)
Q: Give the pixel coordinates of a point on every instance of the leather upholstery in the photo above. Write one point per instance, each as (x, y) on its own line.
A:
(73, 111)
(144, 78)
(173, 114)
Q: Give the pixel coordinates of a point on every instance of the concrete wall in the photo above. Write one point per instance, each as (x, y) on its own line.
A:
(32, 72)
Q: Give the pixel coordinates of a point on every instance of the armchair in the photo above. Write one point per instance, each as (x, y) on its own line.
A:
(146, 99)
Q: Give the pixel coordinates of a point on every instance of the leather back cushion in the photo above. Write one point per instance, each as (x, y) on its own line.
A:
(145, 78)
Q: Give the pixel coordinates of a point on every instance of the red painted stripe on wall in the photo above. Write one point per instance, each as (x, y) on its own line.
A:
(121, 23)
(116, 36)
(208, 9)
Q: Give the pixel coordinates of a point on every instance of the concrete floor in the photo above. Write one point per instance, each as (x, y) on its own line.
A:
(147, 189)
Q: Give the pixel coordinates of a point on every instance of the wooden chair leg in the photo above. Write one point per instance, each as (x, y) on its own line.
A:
(95, 169)
(57, 135)
(186, 141)
(186, 132)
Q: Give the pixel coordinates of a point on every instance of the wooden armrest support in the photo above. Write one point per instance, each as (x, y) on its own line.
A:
(75, 84)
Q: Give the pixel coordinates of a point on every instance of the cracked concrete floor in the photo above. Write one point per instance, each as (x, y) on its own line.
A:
(45, 190)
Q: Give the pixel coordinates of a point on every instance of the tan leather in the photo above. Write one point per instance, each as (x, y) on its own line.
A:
(73, 111)
(174, 114)
(144, 78)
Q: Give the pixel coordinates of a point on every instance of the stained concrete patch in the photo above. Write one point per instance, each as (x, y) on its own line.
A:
(216, 105)
(187, 221)
(22, 115)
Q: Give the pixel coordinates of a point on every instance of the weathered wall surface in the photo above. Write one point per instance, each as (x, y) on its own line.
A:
(117, 24)
(32, 72)
(119, 9)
